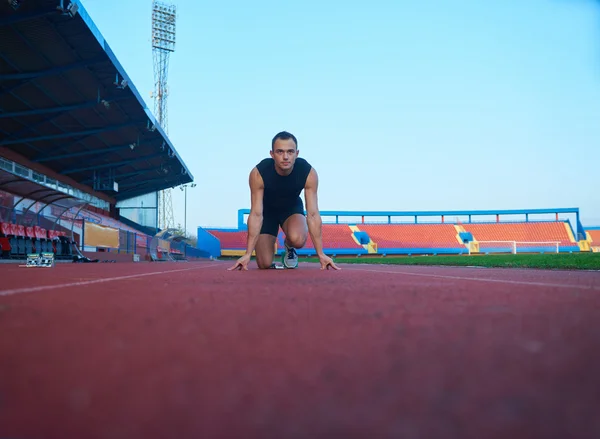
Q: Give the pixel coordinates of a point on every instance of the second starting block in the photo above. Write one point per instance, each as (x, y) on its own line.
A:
(45, 260)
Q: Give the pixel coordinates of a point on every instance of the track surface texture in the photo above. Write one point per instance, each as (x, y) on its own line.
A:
(191, 350)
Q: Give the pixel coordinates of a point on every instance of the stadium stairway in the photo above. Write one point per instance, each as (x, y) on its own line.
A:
(587, 244)
(465, 238)
(363, 239)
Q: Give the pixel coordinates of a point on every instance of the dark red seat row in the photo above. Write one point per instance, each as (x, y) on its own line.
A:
(34, 232)
(19, 240)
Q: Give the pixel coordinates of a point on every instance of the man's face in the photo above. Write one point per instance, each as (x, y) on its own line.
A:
(284, 153)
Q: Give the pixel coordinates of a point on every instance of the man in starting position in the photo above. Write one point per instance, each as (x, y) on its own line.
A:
(275, 187)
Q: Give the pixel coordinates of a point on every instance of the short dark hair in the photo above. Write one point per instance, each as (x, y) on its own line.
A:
(284, 135)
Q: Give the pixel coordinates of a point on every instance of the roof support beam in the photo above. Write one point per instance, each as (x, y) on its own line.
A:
(70, 134)
(80, 154)
(116, 164)
(118, 176)
(50, 72)
(88, 152)
(126, 176)
(134, 184)
(17, 17)
(38, 111)
(59, 109)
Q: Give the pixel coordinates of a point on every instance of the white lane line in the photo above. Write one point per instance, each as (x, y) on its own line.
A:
(95, 281)
(478, 279)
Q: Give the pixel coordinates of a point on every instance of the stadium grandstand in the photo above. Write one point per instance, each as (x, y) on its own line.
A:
(82, 158)
(428, 233)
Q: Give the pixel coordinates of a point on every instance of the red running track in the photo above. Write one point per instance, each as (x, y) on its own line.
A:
(193, 351)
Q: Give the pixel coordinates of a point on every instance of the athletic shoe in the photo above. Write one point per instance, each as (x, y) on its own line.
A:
(290, 257)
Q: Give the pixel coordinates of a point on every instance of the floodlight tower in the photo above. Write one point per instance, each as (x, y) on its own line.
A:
(163, 43)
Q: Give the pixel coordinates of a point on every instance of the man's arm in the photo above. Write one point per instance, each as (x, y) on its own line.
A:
(255, 219)
(313, 217)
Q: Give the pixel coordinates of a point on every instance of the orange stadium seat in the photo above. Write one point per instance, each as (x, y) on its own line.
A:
(389, 236)
(335, 236)
(521, 232)
(231, 240)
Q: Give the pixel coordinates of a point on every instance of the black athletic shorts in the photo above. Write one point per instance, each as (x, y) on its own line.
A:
(273, 220)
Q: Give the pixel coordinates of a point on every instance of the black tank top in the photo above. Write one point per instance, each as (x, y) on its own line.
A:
(283, 192)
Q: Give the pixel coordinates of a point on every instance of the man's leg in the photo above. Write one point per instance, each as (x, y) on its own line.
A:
(296, 230)
(296, 233)
(265, 249)
(265, 245)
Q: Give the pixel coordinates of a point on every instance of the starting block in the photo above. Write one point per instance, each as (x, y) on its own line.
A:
(39, 260)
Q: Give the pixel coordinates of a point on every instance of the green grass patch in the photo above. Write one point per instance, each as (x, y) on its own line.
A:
(567, 261)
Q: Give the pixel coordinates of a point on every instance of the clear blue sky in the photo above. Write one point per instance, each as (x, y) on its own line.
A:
(399, 105)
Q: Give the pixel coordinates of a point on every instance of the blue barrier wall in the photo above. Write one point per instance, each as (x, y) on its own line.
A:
(193, 252)
(208, 243)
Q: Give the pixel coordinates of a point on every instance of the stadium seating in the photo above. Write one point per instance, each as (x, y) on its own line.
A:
(335, 237)
(422, 238)
(523, 232)
(415, 236)
(231, 240)
(19, 240)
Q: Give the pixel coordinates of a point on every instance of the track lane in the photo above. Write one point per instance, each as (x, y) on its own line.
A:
(304, 353)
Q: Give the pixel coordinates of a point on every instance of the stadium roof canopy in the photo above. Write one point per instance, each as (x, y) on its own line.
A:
(37, 192)
(66, 103)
